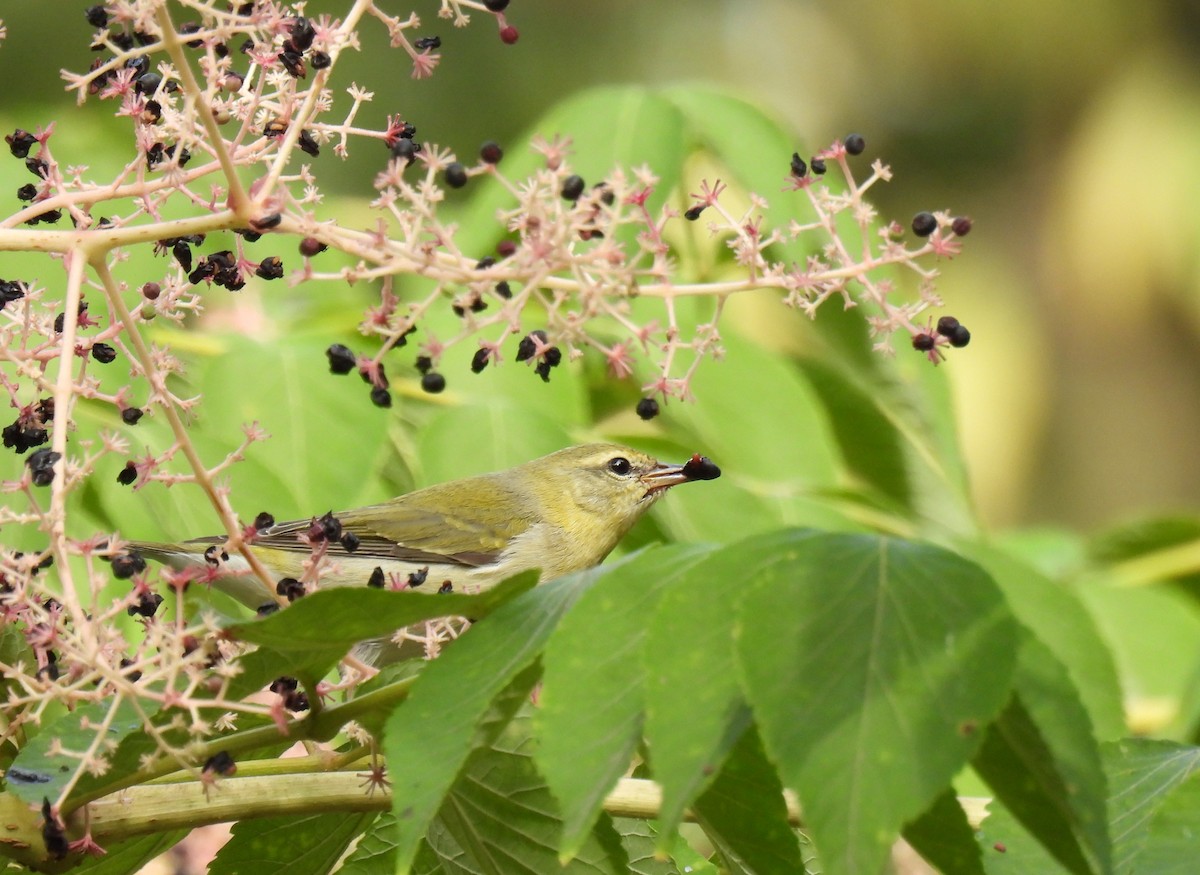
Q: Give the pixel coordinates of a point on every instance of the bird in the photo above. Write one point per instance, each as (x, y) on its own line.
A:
(559, 513)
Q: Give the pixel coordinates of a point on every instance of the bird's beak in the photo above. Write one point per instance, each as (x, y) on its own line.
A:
(663, 477)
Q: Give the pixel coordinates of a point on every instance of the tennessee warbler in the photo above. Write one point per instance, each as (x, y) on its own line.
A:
(561, 513)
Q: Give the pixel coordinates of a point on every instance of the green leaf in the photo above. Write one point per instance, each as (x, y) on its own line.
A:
(41, 771)
(1006, 848)
(610, 127)
(1061, 622)
(639, 838)
(376, 850)
(1152, 813)
(295, 845)
(944, 837)
(503, 816)
(325, 441)
(1143, 777)
(756, 160)
(488, 436)
(1043, 763)
(691, 726)
(745, 815)
(869, 662)
(430, 736)
(590, 714)
(1147, 536)
(318, 630)
(1170, 847)
(130, 855)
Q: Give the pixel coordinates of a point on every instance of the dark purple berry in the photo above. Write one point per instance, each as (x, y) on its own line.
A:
(290, 588)
(376, 580)
(263, 521)
(924, 342)
(350, 542)
(319, 60)
(924, 224)
(428, 43)
(433, 382)
(381, 397)
(456, 175)
(693, 213)
(27, 192)
(961, 226)
(103, 353)
(307, 144)
(146, 606)
(647, 408)
(127, 475)
(947, 325)
(854, 144)
(503, 289)
(572, 187)
(960, 337)
(479, 361)
(496, 5)
(126, 565)
(405, 149)
(270, 268)
(341, 359)
(293, 62)
(41, 466)
(302, 33)
(817, 165)
(20, 142)
(799, 168)
(267, 222)
(97, 16)
(151, 291)
(132, 415)
(490, 152)
(423, 364)
(311, 246)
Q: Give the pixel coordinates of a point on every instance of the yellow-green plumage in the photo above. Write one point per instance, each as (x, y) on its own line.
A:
(561, 513)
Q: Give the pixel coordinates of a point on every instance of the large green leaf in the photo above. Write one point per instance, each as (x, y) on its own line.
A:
(42, 770)
(301, 845)
(1060, 621)
(691, 726)
(316, 631)
(1042, 760)
(592, 698)
(429, 737)
(744, 814)
(1152, 811)
(755, 160)
(503, 816)
(609, 127)
(130, 855)
(1144, 777)
(640, 838)
(870, 663)
(488, 436)
(943, 836)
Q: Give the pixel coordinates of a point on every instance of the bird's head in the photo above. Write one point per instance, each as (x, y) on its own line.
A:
(605, 488)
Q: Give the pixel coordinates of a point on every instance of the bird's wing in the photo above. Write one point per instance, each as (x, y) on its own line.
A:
(409, 528)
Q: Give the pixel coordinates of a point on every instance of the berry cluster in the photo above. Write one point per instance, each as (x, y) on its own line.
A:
(231, 118)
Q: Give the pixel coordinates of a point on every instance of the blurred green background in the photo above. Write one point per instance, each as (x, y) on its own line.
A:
(1069, 134)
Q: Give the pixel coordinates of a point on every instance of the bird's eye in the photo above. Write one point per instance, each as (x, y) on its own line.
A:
(620, 466)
